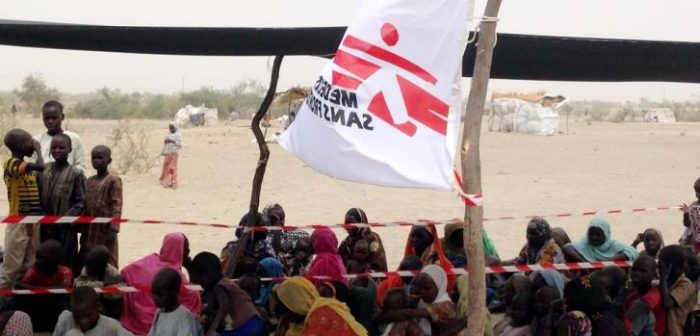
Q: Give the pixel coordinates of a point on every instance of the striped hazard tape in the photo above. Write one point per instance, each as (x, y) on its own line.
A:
(92, 220)
(457, 271)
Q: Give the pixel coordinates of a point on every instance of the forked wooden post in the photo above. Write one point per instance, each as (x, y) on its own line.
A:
(259, 170)
(471, 168)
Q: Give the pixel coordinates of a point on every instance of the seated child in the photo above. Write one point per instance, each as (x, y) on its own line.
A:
(171, 318)
(436, 312)
(409, 263)
(98, 272)
(84, 317)
(250, 283)
(542, 323)
(644, 314)
(228, 309)
(360, 262)
(653, 242)
(520, 317)
(47, 272)
(517, 284)
(396, 300)
(691, 221)
(300, 262)
(678, 293)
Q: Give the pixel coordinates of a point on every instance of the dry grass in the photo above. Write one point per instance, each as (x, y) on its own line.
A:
(130, 151)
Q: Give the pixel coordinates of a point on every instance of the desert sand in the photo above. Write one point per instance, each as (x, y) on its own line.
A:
(597, 166)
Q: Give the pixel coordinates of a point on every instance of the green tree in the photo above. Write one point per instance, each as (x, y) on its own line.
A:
(34, 93)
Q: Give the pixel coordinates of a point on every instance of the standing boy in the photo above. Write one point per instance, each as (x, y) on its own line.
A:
(678, 293)
(105, 190)
(64, 195)
(22, 180)
(52, 115)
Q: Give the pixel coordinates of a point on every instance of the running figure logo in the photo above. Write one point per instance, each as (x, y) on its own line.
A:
(400, 102)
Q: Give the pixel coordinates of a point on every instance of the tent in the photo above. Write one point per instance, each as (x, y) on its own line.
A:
(532, 113)
(191, 116)
(659, 115)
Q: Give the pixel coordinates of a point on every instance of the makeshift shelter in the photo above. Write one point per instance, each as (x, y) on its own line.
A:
(287, 103)
(191, 116)
(533, 113)
(659, 115)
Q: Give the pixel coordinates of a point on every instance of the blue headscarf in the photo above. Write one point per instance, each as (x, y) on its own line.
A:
(273, 268)
(608, 250)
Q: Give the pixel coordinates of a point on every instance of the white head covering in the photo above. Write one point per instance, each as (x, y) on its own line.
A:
(439, 276)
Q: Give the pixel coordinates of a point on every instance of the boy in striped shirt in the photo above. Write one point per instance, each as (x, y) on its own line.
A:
(22, 180)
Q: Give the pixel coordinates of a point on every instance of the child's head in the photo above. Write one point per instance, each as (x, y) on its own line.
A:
(560, 236)
(604, 281)
(521, 309)
(515, 285)
(275, 213)
(653, 241)
(361, 250)
(643, 271)
(19, 142)
(85, 306)
(544, 297)
(673, 258)
(696, 187)
(49, 256)
(431, 282)
(395, 299)
(410, 263)
(61, 146)
(52, 115)
(96, 262)
(172, 128)
(303, 250)
(205, 269)
(250, 283)
(165, 287)
(692, 270)
(101, 157)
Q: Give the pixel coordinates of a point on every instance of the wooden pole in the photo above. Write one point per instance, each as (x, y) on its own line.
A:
(260, 170)
(471, 169)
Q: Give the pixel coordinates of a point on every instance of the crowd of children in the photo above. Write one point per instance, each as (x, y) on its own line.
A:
(305, 290)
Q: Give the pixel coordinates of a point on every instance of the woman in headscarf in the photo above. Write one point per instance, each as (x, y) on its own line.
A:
(171, 149)
(541, 247)
(139, 308)
(377, 257)
(327, 261)
(424, 243)
(653, 242)
(453, 246)
(583, 294)
(598, 245)
(269, 268)
(303, 312)
(436, 313)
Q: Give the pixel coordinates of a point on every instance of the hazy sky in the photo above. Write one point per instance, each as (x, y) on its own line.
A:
(81, 71)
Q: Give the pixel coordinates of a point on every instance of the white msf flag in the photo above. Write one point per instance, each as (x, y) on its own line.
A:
(386, 110)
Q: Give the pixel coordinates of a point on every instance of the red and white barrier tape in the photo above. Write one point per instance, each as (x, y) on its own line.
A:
(109, 289)
(91, 220)
(457, 271)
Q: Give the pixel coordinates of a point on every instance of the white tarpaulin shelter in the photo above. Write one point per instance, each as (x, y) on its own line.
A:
(191, 116)
(526, 116)
(660, 115)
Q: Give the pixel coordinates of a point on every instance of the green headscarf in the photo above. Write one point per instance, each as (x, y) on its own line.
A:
(608, 250)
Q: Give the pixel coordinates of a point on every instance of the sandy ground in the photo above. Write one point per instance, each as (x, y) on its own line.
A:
(597, 166)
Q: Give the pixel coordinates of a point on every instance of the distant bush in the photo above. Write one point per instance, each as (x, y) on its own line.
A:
(129, 143)
(244, 97)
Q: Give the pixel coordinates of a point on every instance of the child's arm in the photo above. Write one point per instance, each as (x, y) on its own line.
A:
(666, 298)
(222, 300)
(38, 165)
(79, 191)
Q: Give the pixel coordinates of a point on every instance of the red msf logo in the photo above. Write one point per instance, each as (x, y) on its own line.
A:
(419, 105)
